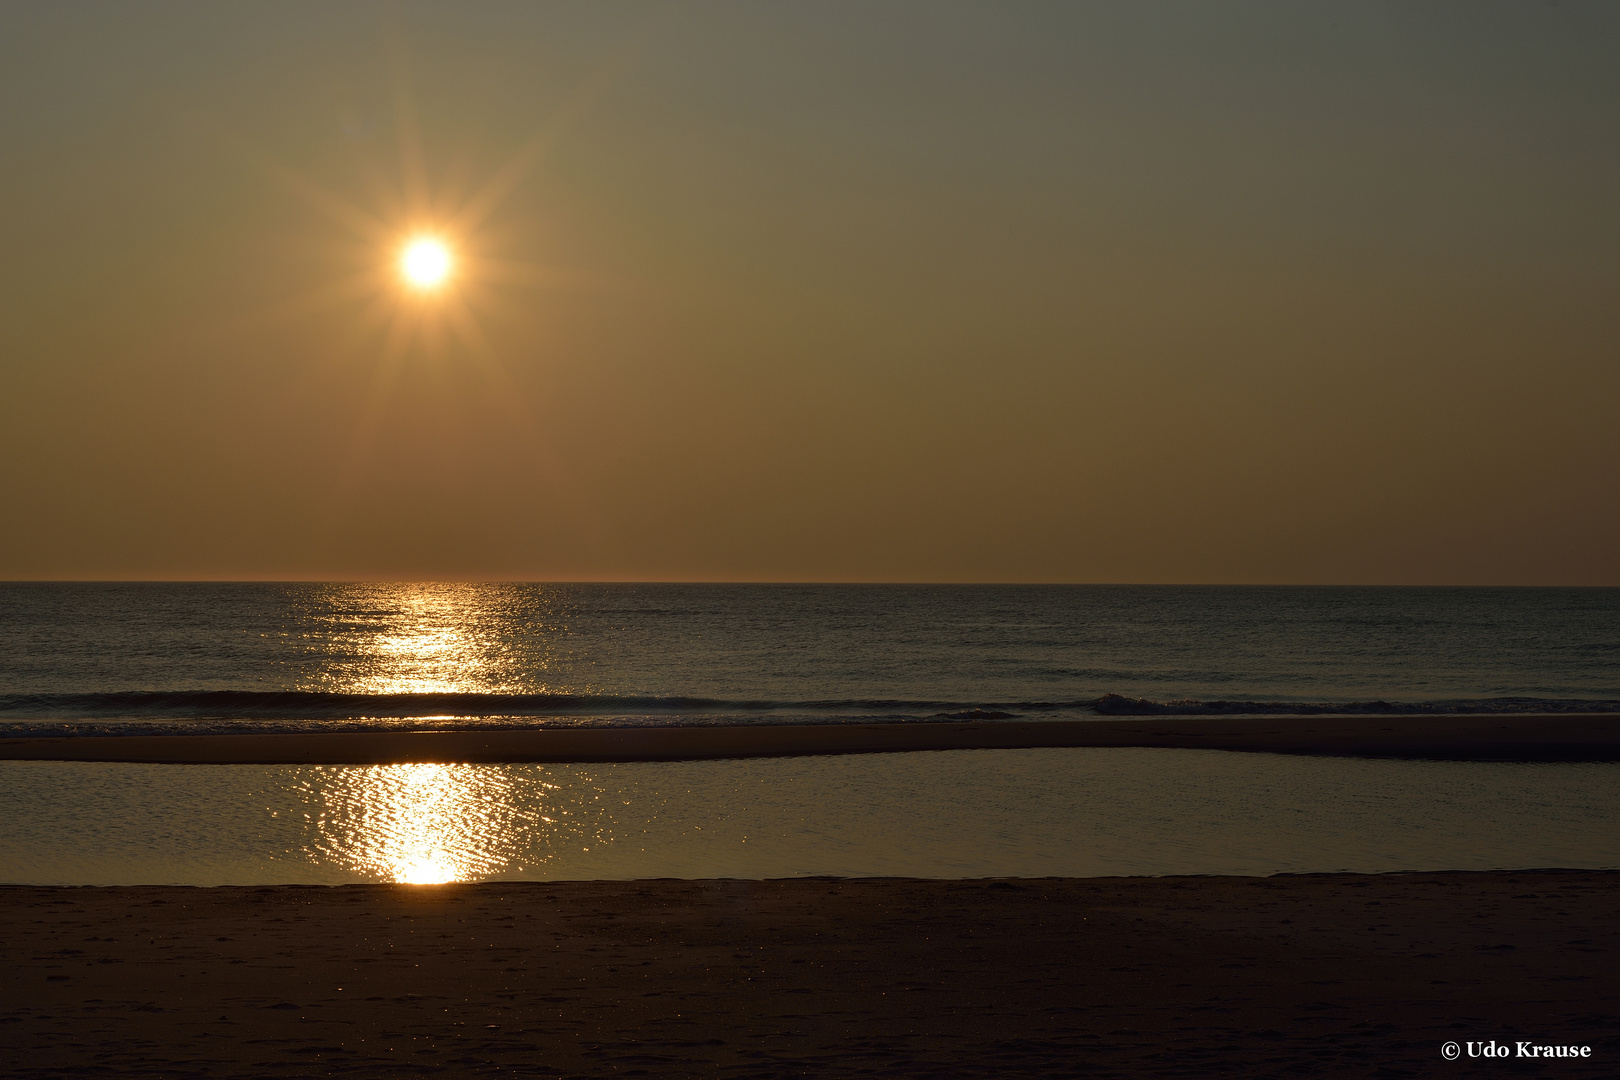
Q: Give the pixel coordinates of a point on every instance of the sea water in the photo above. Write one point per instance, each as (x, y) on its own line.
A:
(98, 660)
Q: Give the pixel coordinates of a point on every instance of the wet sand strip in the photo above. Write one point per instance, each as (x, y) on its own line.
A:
(1564, 737)
(1320, 975)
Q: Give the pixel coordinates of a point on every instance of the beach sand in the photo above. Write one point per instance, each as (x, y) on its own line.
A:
(1562, 737)
(1343, 975)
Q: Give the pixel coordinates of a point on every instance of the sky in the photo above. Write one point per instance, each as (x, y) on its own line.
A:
(1138, 292)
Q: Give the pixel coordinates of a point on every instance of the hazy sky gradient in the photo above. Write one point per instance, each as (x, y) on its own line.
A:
(1172, 292)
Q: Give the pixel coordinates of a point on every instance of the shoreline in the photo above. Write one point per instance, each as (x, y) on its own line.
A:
(1564, 737)
(1344, 974)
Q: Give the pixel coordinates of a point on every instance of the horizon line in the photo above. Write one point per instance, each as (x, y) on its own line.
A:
(789, 582)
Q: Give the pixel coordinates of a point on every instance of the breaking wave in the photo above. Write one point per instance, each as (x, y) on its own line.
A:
(1117, 705)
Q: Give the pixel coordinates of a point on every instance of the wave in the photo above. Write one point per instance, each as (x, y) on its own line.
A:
(1117, 705)
(305, 704)
(297, 705)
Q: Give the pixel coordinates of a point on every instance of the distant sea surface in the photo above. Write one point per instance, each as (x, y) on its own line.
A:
(103, 659)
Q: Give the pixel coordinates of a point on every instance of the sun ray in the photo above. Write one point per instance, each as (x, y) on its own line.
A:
(470, 332)
(232, 329)
(412, 157)
(506, 179)
(357, 220)
(373, 408)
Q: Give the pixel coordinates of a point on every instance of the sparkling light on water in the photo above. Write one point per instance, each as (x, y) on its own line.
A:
(419, 824)
(420, 640)
(430, 824)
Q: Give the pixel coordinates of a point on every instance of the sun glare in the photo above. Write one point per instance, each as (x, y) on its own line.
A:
(425, 263)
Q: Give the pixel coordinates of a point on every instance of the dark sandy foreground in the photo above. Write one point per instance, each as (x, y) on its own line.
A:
(1341, 975)
(1566, 737)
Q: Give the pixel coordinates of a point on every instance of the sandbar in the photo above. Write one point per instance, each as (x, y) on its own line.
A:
(1559, 737)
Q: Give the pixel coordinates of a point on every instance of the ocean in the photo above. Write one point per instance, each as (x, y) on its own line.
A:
(101, 658)
(96, 660)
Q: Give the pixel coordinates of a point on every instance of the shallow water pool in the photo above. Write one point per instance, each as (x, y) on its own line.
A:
(972, 813)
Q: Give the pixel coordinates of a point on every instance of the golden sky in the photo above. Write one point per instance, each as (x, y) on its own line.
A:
(1143, 292)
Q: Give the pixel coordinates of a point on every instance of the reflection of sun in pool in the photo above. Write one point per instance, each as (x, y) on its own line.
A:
(423, 824)
(419, 824)
(434, 869)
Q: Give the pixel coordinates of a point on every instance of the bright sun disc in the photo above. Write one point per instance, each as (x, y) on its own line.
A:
(425, 263)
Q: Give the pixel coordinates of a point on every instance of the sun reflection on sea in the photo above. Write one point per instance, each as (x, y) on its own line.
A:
(422, 659)
(391, 639)
(425, 646)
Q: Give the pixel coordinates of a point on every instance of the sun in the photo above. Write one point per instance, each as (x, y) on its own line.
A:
(425, 263)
